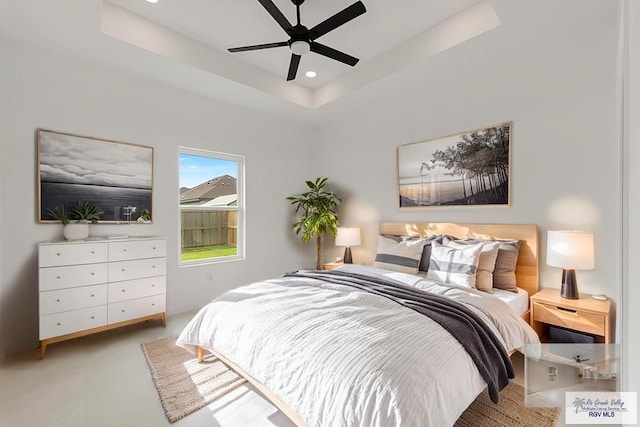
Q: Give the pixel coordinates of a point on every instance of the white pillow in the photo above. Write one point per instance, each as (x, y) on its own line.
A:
(403, 256)
(486, 263)
(454, 266)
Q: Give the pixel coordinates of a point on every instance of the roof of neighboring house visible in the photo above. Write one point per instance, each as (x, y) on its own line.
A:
(230, 200)
(221, 186)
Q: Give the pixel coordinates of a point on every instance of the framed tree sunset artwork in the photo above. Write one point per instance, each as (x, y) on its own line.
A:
(466, 169)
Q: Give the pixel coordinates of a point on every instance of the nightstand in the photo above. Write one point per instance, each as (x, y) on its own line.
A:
(331, 265)
(586, 315)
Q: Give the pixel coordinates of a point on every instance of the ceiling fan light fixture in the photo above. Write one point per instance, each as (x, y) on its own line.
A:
(300, 47)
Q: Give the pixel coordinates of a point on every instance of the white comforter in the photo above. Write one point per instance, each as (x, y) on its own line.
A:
(341, 357)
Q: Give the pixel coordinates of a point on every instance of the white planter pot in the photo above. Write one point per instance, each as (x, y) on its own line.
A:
(76, 231)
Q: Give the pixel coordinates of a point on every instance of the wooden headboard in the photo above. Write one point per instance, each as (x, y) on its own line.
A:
(527, 266)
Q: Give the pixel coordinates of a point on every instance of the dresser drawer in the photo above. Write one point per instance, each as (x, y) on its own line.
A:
(571, 319)
(72, 276)
(72, 254)
(138, 249)
(54, 325)
(127, 310)
(72, 299)
(129, 270)
(139, 288)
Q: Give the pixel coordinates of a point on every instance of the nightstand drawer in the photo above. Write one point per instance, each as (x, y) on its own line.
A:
(571, 319)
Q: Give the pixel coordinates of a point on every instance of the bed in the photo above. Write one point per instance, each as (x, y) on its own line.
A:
(335, 348)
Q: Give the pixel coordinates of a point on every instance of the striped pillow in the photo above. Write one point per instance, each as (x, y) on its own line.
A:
(402, 256)
(486, 262)
(454, 266)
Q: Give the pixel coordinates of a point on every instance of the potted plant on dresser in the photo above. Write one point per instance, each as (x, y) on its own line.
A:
(76, 220)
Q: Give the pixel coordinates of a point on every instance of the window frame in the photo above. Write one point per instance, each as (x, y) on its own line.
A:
(240, 208)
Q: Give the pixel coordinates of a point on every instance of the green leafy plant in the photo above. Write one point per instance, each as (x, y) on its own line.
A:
(145, 214)
(86, 211)
(317, 207)
(59, 213)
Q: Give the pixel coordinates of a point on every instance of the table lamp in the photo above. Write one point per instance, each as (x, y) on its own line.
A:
(348, 237)
(571, 251)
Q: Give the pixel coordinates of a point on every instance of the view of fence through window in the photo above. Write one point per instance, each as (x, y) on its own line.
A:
(210, 204)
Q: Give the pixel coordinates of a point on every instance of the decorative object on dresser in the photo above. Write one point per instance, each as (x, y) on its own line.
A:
(348, 237)
(318, 214)
(571, 251)
(116, 176)
(469, 168)
(92, 286)
(585, 315)
(76, 219)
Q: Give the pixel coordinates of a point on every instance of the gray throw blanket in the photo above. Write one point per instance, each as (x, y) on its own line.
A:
(485, 349)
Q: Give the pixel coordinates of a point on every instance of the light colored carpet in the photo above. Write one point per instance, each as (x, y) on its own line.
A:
(509, 412)
(183, 384)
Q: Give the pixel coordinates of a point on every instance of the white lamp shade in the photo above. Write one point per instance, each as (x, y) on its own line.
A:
(348, 236)
(571, 250)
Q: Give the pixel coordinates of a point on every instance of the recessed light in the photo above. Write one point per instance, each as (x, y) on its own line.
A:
(310, 74)
(152, 1)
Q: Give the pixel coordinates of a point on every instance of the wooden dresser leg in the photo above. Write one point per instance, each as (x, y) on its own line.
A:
(43, 349)
(163, 318)
(200, 354)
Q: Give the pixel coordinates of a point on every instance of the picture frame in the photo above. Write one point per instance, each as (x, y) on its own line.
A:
(116, 176)
(470, 168)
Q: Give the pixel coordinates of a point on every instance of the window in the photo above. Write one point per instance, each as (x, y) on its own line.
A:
(211, 206)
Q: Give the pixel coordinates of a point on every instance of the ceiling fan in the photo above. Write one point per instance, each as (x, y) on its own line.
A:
(302, 39)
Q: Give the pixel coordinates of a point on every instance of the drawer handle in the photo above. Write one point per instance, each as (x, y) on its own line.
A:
(124, 250)
(57, 300)
(58, 254)
(123, 311)
(153, 266)
(153, 303)
(92, 317)
(93, 274)
(93, 252)
(154, 248)
(123, 269)
(58, 323)
(568, 310)
(153, 286)
(57, 277)
(123, 290)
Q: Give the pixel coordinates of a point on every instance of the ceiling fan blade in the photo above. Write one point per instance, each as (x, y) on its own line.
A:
(257, 47)
(277, 15)
(340, 18)
(293, 66)
(333, 54)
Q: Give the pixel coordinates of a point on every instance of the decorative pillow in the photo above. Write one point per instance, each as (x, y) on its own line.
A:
(486, 262)
(504, 275)
(426, 250)
(455, 266)
(402, 256)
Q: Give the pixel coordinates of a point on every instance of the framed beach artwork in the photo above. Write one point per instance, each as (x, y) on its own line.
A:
(466, 169)
(116, 176)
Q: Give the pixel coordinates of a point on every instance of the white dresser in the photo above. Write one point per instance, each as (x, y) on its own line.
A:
(94, 285)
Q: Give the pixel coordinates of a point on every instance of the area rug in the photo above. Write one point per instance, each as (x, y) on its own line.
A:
(183, 384)
(509, 412)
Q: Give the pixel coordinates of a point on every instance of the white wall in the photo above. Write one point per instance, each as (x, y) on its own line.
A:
(560, 93)
(45, 90)
(631, 290)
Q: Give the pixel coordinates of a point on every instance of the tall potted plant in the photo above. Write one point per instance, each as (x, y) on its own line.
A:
(317, 207)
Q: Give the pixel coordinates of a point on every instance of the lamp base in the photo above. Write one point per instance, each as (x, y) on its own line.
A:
(347, 256)
(569, 285)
